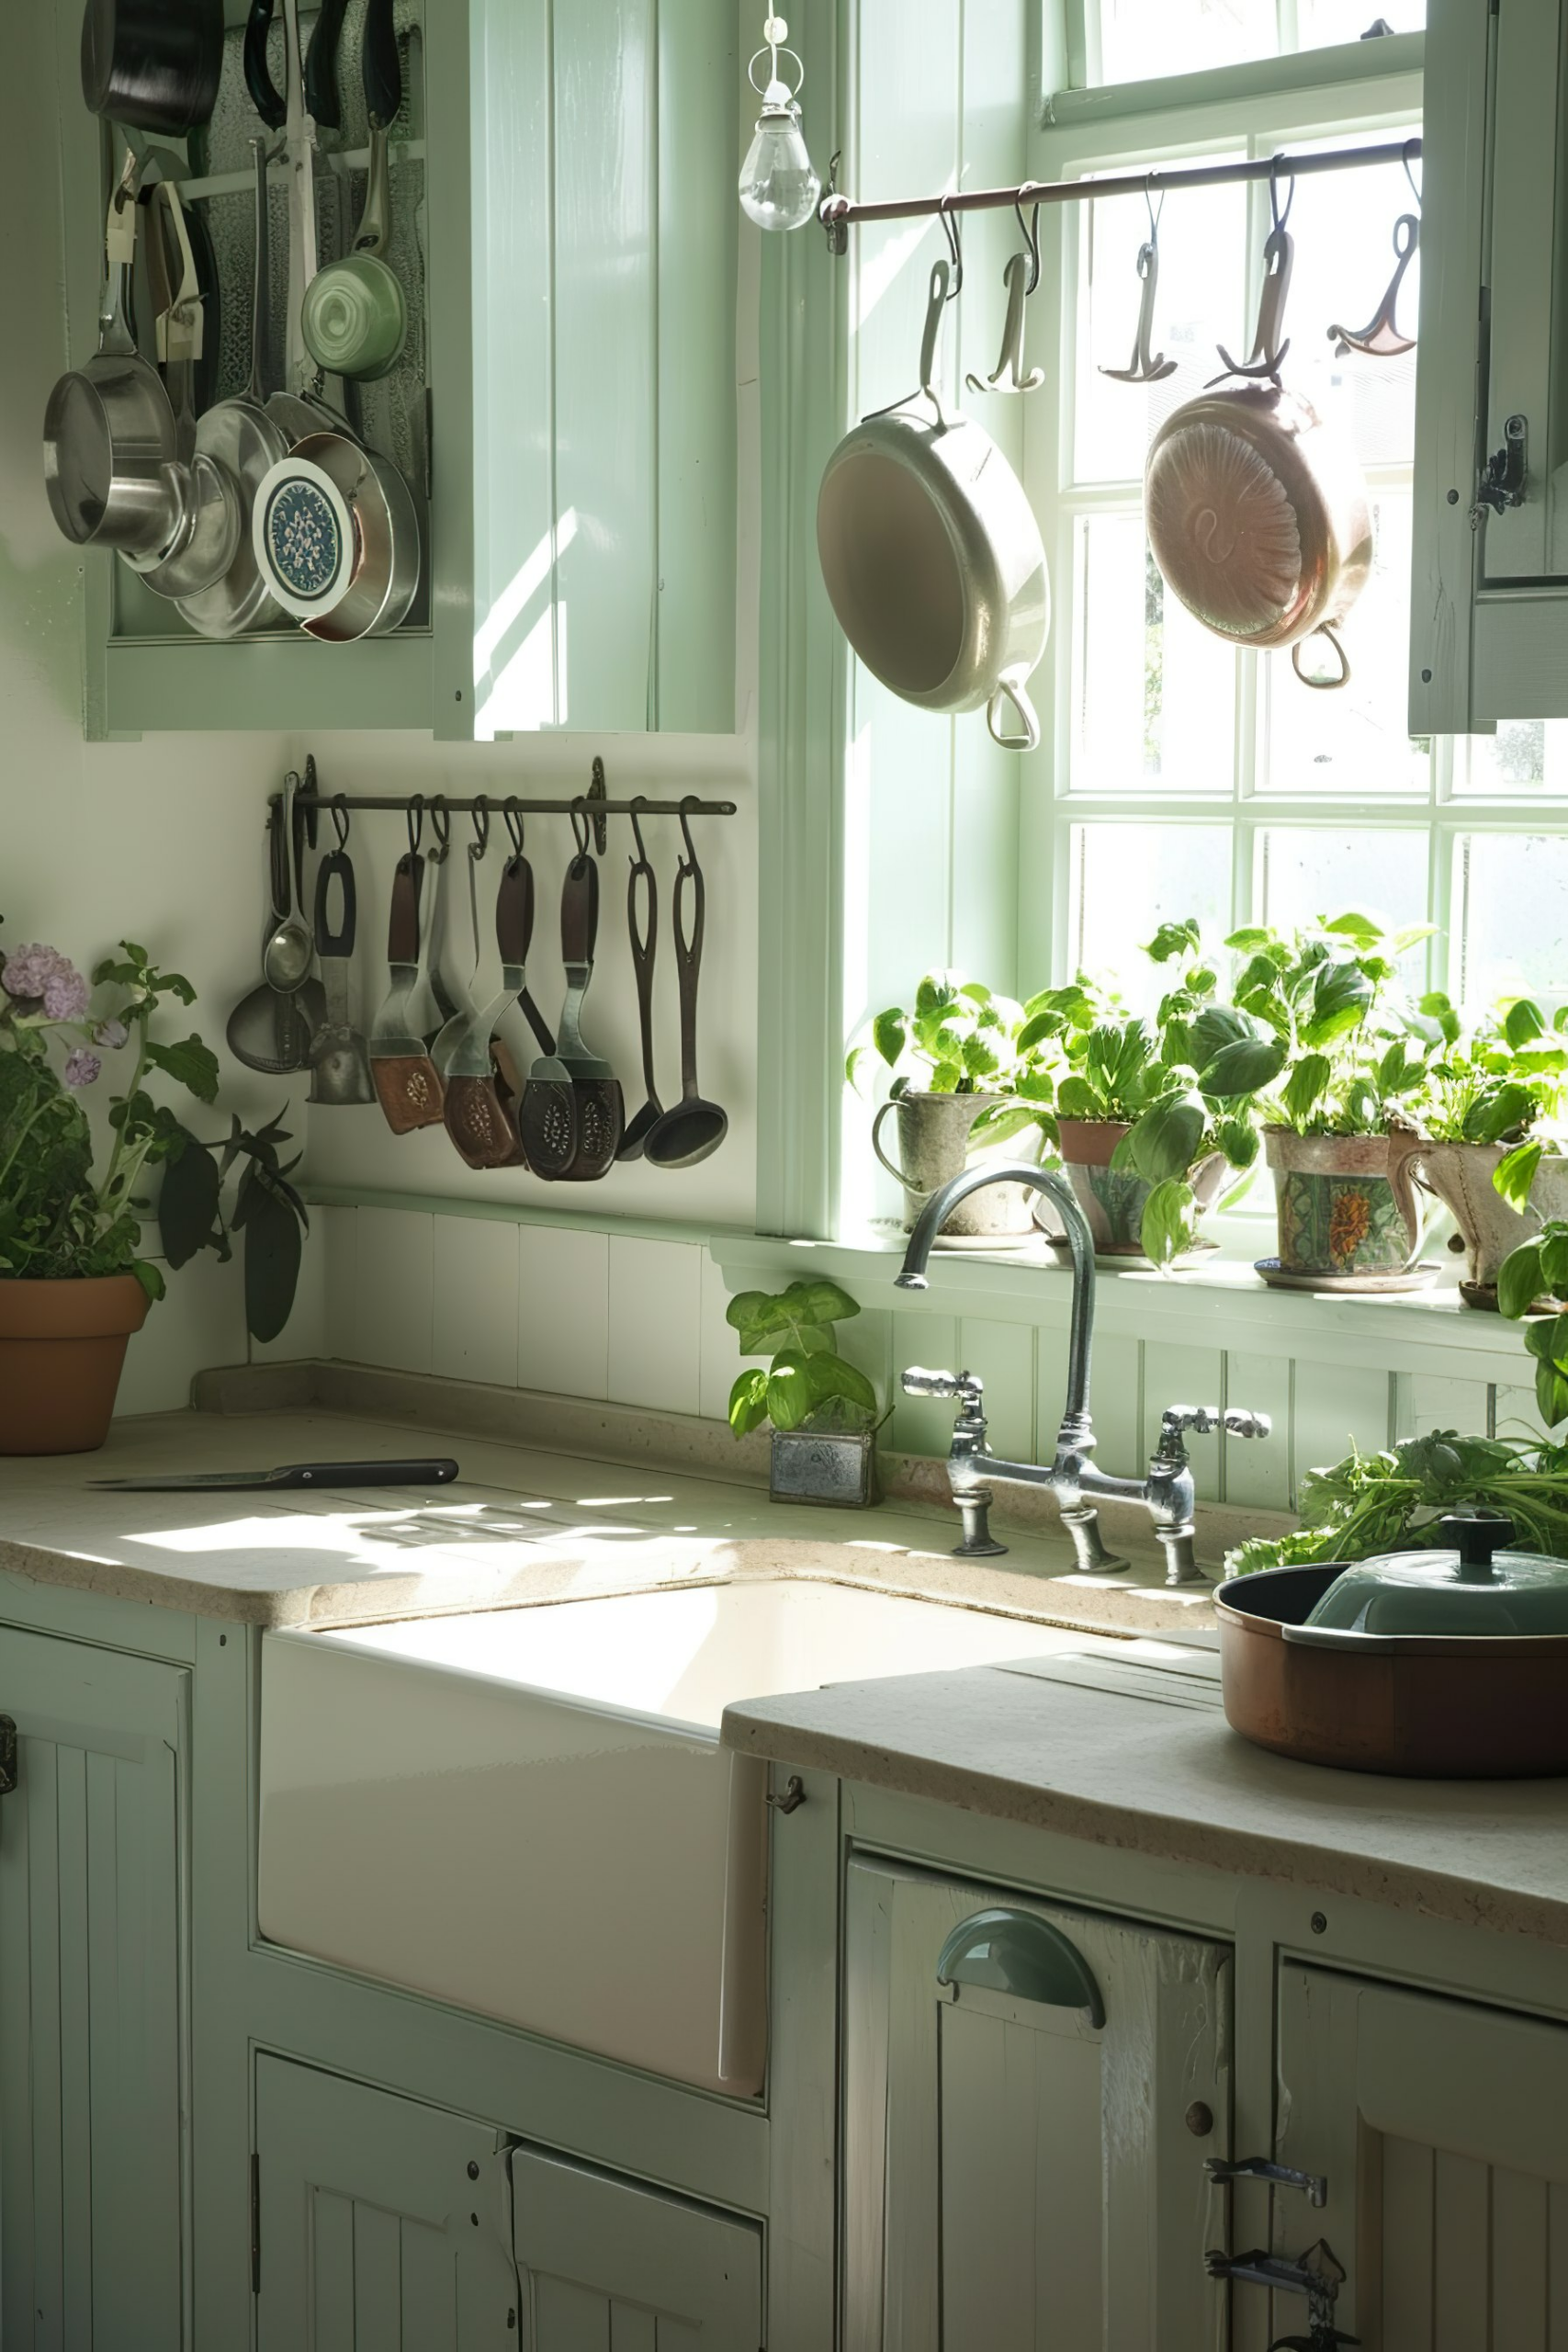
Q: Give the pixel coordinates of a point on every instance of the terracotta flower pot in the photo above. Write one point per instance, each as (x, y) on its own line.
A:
(62, 1349)
(1347, 1204)
(1460, 1175)
(934, 1148)
(1114, 1199)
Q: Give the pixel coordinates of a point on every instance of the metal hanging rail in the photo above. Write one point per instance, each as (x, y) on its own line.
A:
(838, 212)
(497, 803)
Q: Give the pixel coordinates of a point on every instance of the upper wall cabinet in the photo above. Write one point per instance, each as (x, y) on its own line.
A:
(1489, 618)
(564, 225)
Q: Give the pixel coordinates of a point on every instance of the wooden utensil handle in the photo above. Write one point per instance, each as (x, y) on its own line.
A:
(515, 910)
(579, 911)
(402, 928)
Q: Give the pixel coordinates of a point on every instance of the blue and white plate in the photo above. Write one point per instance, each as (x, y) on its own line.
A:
(304, 537)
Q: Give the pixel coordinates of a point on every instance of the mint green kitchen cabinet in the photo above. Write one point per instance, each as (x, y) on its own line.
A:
(608, 2265)
(93, 1987)
(1489, 617)
(569, 167)
(378, 2221)
(1441, 2128)
(1022, 2083)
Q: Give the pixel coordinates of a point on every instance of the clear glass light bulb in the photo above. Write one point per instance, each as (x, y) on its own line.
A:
(778, 186)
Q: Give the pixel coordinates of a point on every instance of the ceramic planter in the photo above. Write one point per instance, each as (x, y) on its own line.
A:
(1113, 1199)
(1460, 1175)
(1347, 1205)
(934, 1148)
(825, 1467)
(62, 1349)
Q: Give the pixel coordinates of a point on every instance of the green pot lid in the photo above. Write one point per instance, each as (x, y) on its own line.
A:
(1474, 1585)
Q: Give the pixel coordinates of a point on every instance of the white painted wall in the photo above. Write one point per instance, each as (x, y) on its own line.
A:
(162, 840)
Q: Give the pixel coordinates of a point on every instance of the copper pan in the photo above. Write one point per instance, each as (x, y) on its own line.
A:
(1258, 512)
(1421, 1706)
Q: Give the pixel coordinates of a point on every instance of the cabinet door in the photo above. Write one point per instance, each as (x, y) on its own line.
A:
(1024, 2139)
(1442, 2131)
(381, 2223)
(610, 2267)
(91, 1968)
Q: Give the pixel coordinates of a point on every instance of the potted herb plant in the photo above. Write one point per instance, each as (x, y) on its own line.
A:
(1479, 1153)
(74, 1284)
(1154, 1117)
(971, 1070)
(1350, 1053)
(823, 1410)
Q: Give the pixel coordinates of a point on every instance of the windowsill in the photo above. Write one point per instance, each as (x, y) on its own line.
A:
(1220, 1303)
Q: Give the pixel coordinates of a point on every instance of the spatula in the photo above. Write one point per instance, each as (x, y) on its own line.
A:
(408, 1083)
(571, 1113)
(479, 1113)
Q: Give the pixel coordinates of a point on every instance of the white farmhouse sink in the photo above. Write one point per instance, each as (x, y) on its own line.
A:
(526, 1811)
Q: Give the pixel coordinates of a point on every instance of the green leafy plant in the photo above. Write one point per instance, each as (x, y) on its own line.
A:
(1392, 1500)
(1493, 1085)
(960, 1038)
(1184, 1082)
(63, 1216)
(1537, 1271)
(807, 1382)
(1321, 1023)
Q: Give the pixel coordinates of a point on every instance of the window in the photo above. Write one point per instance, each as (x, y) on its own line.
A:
(1143, 40)
(1185, 776)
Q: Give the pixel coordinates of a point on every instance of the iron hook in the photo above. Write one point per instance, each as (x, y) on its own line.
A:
(1381, 339)
(512, 813)
(954, 245)
(440, 825)
(1280, 217)
(1146, 366)
(640, 802)
(1008, 375)
(690, 802)
(479, 817)
(415, 822)
(1410, 145)
(580, 829)
(339, 805)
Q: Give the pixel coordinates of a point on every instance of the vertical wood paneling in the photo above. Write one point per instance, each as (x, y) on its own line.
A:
(329, 2221)
(563, 1311)
(923, 1424)
(78, 2181)
(395, 1287)
(1514, 1412)
(1337, 1407)
(1460, 2236)
(603, 77)
(475, 1305)
(1557, 2266)
(1003, 1356)
(429, 2290)
(377, 2279)
(1406, 2259)
(1520, 2274)
(1116, 1394)
(656, 1311)
(1184, 1376)
(1424, 1403)
(1256, 1471)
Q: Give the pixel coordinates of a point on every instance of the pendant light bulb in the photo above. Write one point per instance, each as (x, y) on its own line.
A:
(779, 189)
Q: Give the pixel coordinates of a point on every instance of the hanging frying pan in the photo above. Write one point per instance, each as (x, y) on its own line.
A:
(932, 558)
(152, 64)
(1256, 511)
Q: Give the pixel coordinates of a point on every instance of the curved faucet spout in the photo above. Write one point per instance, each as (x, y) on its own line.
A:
(1080, 1242)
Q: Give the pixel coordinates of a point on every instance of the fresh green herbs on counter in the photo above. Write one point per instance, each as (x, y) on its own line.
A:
(1392, 1500)
(808, 1381)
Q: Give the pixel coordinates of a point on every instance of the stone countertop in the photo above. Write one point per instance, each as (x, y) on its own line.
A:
(1173, 1782)
(524, 1523)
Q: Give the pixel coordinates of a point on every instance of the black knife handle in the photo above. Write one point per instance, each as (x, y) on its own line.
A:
(439, 1472)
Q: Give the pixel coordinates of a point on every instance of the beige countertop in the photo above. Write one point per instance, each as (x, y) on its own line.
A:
(1171, 1780)
(524, 1523)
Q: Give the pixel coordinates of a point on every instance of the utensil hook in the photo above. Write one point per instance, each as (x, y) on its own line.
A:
(1020, 277)
(1269, 343)
(339, 807)
(579, 826)
(479, 818)
(641, 858)
(512, 812)
(441, 826)
(1146, 366)
(415, 822)
(1280, 219)
(687, 805)
(1411, 147)
(1381, 338)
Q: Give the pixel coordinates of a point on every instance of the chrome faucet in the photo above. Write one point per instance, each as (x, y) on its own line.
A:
(1166, 1493)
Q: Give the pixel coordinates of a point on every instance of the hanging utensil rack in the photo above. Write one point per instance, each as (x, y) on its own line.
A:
(594, 804)
(838, 213)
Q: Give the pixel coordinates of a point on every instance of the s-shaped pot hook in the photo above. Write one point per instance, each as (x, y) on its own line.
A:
(1021, 278)
(1147, 368)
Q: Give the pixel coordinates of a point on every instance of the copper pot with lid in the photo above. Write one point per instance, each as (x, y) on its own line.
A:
(1258, 511)
(1444, 1663)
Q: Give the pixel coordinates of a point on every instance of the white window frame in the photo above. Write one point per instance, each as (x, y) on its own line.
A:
(1238, 105)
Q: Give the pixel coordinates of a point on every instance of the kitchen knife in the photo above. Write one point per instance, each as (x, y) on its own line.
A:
(438, 1473)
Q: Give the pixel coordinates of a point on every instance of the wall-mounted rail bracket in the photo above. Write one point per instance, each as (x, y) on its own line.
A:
(1503, 480)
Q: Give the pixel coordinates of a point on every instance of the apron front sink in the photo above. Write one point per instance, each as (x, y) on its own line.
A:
(526, 1811)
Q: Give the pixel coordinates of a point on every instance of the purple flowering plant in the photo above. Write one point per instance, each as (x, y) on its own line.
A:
(71, 1207)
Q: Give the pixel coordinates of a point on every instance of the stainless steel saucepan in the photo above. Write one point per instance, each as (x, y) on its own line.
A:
(932, 558)
(110, 440)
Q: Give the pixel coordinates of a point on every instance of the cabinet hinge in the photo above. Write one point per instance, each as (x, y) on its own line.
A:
(255, 2225)
(8, 1754)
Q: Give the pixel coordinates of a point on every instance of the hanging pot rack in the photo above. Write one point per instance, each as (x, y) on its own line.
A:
(838, 213)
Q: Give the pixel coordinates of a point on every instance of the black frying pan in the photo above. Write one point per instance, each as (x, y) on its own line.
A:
(152, 64)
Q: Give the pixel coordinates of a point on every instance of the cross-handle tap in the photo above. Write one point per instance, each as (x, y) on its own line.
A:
(1170, 1492)
(968, 1446)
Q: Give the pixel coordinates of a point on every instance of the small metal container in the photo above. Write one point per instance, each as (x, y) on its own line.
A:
(836, 1466)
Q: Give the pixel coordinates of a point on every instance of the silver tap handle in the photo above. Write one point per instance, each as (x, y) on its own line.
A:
(966, 1386)
(1239, 1422)
(1204, 1419)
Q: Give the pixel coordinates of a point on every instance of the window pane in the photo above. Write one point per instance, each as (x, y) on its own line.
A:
(1323, 22)
(1511, 915)
(1343, 225)
(1127, 880)
(1154, 692)
(1354, 739)
(1525, 756)
(1142, 38)
(1199, 297)
(1305, 871)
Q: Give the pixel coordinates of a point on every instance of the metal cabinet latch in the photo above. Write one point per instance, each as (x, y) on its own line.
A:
(8, 1772)
(791, 1797)
(1502, 482)
(1316, 2274)
(1261, 2168)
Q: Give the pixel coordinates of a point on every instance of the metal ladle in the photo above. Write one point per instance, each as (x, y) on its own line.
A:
(692, 1128)
(286, 958)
